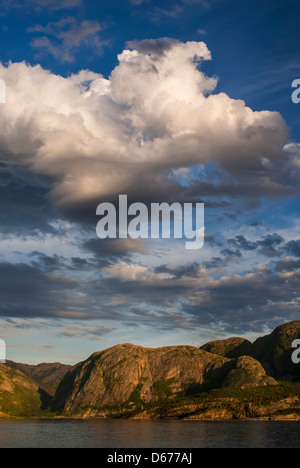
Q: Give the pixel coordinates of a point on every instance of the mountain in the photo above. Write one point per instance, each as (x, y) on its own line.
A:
(19, 395)
(247, 373)
(224, 379)
(129, 377)
(231, 347)
(48, 376)
(273, 351)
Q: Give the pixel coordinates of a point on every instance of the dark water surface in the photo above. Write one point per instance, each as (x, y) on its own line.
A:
(42, 433)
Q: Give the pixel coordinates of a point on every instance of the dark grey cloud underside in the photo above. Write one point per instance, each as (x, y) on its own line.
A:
(25, 209)
(240, 303)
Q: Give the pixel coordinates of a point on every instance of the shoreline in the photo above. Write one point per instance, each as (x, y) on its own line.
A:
(287, 418)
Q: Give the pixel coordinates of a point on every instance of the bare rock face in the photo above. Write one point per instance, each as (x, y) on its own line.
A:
(231, 347)
(133, 375)
(248, 373)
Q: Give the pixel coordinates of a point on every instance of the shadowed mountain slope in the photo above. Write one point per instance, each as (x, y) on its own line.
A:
(48, 376)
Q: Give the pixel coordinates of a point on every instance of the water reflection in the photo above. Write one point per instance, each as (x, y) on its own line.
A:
(148, 434)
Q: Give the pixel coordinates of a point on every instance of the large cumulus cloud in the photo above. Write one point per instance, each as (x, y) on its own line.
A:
(94, 138)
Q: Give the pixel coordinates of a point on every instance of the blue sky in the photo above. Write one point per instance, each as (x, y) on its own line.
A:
(253, 44)
(206, 86)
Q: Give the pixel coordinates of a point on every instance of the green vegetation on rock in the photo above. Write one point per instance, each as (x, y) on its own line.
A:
(19, 395)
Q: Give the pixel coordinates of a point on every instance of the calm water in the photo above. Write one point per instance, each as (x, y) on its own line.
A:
(43, 433)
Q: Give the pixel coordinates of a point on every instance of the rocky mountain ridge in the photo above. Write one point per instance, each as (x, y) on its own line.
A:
(222, 379)
(46, 375)
(273, 351)
(132, 376)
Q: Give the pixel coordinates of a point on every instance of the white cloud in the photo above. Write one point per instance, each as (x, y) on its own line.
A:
(156, 112)
(125, 272)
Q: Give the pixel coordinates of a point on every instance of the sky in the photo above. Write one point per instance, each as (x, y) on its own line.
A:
(184, 101)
